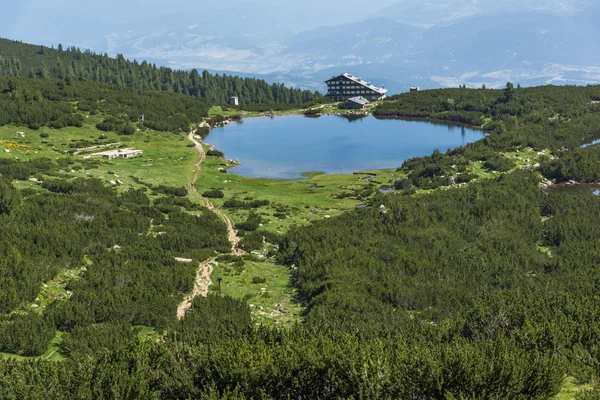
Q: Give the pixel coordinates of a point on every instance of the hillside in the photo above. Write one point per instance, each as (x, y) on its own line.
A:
(399, 43)
(19, 59)
(472, 280)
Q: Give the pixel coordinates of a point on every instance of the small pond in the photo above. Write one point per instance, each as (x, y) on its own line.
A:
(581, 188)
(285, 147)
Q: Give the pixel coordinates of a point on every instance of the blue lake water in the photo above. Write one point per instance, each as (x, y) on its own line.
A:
(285, 147)
(581, 188)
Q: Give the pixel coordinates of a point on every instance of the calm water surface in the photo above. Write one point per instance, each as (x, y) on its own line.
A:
(582, 188)
(285, 147)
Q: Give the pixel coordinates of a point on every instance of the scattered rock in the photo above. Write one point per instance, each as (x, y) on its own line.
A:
(84, 217)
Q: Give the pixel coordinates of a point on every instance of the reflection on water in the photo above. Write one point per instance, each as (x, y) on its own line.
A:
(582, 188)
(284, 147)
(593, 142)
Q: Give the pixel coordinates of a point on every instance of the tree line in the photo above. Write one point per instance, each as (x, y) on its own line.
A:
(25, 60)
(558, 118)
(60, 103)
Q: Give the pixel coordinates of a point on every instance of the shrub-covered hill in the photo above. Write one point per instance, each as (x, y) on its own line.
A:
(59, 103)
(26, 60)
(555, 119)
(443, 295)
(77, 256)
(487, 290)
(540, 117)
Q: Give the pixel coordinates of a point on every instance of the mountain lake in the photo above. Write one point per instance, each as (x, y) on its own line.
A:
(288, 146)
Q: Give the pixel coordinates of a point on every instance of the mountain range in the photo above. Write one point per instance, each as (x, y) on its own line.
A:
(407, 43)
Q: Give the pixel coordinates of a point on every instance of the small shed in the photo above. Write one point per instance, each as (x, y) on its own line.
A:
(356, 103)
(414, 89)
(121, 153)
(234, 101)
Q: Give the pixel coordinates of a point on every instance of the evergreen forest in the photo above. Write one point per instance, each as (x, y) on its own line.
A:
(25, 60)
(453, 287)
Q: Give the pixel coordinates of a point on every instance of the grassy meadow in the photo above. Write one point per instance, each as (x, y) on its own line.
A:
(169, 159)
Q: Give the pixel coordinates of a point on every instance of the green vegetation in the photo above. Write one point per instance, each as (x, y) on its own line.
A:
(484, 289)
(294, 202)
(264, 286)
(71, 64)
(49, 103)
(548, 118)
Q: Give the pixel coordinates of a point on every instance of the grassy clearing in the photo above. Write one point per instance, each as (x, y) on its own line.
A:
(52, 354)
(292, 202)
(523, 158)
(55, 290)
(167, 159)
(147, 333)
(265, 286)
(570, 389)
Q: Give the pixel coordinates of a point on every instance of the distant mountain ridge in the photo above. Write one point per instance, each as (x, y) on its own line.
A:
(471, 43)
(434, 12)
(411, 42)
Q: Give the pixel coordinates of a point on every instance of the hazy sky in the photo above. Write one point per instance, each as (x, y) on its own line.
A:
(87, 23)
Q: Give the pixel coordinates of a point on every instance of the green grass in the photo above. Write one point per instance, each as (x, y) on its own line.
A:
(52, 354)
(570, 389)
(147, 333)
(54, 290)
(523, 158)
(544, 249)
(271, 302)
(166, 159)
(304, 200)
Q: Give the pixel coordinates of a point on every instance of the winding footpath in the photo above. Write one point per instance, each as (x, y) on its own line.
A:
(205, 268)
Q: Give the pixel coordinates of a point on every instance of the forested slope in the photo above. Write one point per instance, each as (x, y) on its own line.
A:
(444, 294)
(555, 118)
(25, 60)
(130, 275)
(60, 103)
(483, 290)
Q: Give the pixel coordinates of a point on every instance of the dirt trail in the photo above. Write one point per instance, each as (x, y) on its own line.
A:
(205, 269)
(201, 285)
(233, 239)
